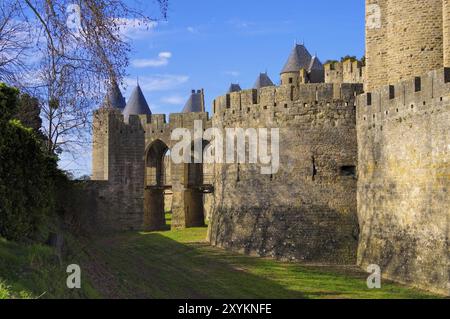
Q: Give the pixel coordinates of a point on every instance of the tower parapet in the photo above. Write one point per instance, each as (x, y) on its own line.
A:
(282, 98)
(348, 71)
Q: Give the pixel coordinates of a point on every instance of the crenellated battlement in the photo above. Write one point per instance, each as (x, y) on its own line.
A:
(348, 71)
(285, 97)
(414, 95)
(151, 123)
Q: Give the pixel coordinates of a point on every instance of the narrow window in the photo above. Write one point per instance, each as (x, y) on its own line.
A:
(314, 168)
(348, 170)
(238, 173)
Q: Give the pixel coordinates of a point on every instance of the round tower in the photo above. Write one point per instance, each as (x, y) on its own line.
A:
(376, 43)
(299, 59)
(446, 32)
(415, 38)
(404, 38)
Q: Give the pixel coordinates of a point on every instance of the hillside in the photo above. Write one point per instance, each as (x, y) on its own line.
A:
(175, 264)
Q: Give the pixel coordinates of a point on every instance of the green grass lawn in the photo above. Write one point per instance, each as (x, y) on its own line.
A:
(174, 264)
(180, 264)
(34, 271)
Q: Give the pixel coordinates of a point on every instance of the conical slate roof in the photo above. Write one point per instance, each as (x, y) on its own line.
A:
(137, 105)
(300, 58)
(315, 64)
(114, 97)
(263, 80)
(195, 103)
(234, 88)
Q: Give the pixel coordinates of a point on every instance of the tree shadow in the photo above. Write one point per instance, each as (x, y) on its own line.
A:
(151, 265)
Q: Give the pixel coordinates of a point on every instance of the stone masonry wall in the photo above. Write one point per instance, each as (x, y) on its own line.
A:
(306, 211)
(404, 180)
(446, 32)
(403, 44)
(118, 170)
(344, 72)
(376, 43)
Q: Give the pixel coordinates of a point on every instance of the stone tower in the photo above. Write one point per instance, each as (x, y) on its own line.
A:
(263, 80)
(301, 67)
(195, 103)
(399, 44)
(403, 143)
(446, 32)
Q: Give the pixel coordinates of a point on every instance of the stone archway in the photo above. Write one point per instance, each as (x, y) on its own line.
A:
(157, 182)
(196, 185)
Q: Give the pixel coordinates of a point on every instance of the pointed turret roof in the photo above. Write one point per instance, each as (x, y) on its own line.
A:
(195, 103)
(234, 88)
(263, 80)
(315, 64)
(300, 58)
(137, 105)
(114, 97)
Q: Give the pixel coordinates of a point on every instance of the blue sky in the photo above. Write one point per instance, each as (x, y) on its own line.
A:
(211, 43)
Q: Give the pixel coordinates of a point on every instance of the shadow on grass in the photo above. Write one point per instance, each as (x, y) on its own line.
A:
(152, 265)
(180, 264)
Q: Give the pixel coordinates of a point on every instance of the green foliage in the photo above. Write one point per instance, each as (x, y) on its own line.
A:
(28, 111)
(363, 60)
(349, 57)
(331, 62)
(26, 175)
(8, 102)
(34, 271)
(181, 264)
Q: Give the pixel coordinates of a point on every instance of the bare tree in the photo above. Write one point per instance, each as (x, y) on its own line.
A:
(78, 51)
(14, 43)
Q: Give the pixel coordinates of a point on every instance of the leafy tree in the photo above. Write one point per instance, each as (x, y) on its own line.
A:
(8, 102)
(78, 49)
(28, 112)
(26, 174)
(349, 57)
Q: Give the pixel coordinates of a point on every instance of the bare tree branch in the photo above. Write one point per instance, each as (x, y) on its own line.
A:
(77, 51)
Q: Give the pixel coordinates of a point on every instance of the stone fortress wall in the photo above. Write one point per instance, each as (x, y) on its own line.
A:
(363, 177)
(403, 144)
(310, 204)
(120, 159)
(404, 39)
(307, 210)
(404, 179)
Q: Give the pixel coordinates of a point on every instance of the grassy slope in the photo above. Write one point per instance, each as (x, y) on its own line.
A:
(35, 272)
(174, 264)
(179, 264)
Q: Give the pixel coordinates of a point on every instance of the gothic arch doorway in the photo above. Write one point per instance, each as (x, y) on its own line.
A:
(157, 185)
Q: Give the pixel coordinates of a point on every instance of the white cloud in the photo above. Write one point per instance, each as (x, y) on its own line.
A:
(158, 82)
(135, 28)
(192, 30)
(161, 60)
(174, 100)
(233, 73)
(240, 24)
